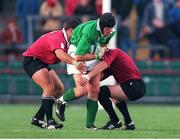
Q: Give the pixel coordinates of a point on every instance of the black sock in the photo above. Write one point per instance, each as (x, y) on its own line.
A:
(48, 106)
(40, 113)
(122, 106)
(104, 99)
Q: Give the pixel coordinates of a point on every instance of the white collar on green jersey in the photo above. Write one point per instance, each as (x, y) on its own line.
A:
(65, 35)
(98, 28)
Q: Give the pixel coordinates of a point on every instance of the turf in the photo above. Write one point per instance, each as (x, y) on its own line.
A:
(152, 121)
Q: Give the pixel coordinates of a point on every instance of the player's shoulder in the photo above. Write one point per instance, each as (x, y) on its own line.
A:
(90, 25)
(91, 22)
(114, 50)
(50, 34)
(54, 35)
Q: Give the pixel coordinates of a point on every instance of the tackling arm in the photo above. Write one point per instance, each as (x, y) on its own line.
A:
(64, 56)
(97, 69)
(70, 60)
(85, 57)
(100, 67)
(98, 54)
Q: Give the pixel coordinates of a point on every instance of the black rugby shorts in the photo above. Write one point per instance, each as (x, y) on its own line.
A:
(134, 89)
(33, 64)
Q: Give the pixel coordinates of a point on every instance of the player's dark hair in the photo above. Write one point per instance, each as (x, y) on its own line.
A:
(71, 23)
(107, 20)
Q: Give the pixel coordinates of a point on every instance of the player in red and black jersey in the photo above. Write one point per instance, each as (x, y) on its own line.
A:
(50, 48)
(130, 86)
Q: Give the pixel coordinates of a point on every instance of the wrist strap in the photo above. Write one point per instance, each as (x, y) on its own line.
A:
(86, 76)
(76, 64)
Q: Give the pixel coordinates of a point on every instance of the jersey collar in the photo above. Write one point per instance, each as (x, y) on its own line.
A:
(65, 35)
(98, 27)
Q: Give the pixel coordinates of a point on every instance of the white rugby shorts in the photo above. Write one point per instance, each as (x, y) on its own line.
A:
(71, 69)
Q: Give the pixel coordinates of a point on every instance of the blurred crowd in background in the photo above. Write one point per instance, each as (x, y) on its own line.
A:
(146, 29)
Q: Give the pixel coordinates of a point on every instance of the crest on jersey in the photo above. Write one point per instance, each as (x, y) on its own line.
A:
(62, 46)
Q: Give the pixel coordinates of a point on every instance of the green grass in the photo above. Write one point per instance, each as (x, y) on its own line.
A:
(152, 121)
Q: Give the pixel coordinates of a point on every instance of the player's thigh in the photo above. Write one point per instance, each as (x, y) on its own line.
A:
(57, 81)
(94, 82)
(117, 93)
(43, 79)
(93, 87)
(76, 78)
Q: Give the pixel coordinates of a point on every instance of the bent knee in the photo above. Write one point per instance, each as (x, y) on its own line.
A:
(81, 92)
(49, 88)
(93, 94)
(58, 90)
(104, 93)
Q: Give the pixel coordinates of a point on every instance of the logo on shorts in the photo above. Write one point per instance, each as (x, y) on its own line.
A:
(62, 46)
(131, 83)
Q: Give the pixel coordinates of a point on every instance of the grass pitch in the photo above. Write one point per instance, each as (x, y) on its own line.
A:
(152, 121)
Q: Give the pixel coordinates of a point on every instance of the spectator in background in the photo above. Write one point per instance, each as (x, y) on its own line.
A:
(140, 7)
(1, 7)
(124, 40)
(175, 14)
(1, 10)
(11, 37)
(85, 11)
(70, 6)
(156, 28)
(122, 10)
(52, 10)
(169, 3)
(98, 6)
(25, 8)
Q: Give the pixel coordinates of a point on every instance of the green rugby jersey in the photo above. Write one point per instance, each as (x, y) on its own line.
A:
(87, 34)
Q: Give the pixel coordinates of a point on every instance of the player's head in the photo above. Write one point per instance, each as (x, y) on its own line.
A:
(71, 23)
(106, 23)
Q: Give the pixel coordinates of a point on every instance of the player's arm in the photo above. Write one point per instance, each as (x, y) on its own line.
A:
(98, 55)
(105, 74)
(63, 56)
(100, 67)
(97, 69)
(85, 57)
(83, 50)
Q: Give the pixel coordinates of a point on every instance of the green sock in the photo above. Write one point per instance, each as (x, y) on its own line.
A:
(69, 95)
(92, 107)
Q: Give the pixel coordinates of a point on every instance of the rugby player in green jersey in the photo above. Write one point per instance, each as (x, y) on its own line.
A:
(88, 44)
